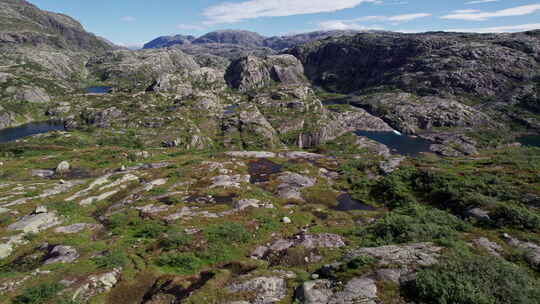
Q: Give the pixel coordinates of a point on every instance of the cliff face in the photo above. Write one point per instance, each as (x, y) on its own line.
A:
(485, 66)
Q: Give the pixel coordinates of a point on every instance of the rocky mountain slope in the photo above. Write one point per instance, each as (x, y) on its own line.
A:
(234, 44)
(226, 178)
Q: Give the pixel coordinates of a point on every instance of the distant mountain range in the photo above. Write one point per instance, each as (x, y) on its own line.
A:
(242, 39)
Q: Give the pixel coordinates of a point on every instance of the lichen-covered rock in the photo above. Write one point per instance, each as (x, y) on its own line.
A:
(63, 167)
(423, 254)
(31, 94)
(76, 228)
(357, 290)
(97, 284)
(531, 250)
(491, 247)
(61, 254)
(35, 222)
(266, 289)
(291, 184)
(249, 128)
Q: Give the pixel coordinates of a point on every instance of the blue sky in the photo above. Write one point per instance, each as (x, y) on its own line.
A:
(133, 22)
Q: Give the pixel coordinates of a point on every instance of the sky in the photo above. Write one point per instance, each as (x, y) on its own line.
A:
(135, 22)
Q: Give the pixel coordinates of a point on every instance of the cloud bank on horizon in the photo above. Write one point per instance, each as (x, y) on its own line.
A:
(235, 12)
(132, 22)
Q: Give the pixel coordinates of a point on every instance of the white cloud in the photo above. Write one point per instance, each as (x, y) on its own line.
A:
(190, 27)
(499, 29)
(466, 11)
(481, 16)
(481, 1)
(128, 19)
(230, 12)
(354, 24)
(131, 45)
(342, 25)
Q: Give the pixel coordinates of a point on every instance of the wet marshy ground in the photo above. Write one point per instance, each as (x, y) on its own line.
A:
(261, 170)
(347, 203)
(215, 199)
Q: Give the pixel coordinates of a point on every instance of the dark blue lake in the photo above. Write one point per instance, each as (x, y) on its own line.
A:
(11, 134)
(400, 144)
(530, 140)
(98, 90)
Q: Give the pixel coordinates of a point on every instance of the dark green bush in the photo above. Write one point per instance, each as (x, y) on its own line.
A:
(397, 188)
(475, 280)
(111, 259)
(175, 239)
(414, 223)
(515, 216)
(149, 229)
(184, 263)
(229, 232)
(38, 294)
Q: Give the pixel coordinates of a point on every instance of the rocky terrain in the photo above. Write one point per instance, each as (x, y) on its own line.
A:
(236, 177)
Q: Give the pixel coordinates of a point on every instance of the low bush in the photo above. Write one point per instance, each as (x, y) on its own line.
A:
(38, 294)
(414, 223)
(229, 232)
(184, 263)
(175, 239)
(515, 216)
(111, 259)
(475, 280)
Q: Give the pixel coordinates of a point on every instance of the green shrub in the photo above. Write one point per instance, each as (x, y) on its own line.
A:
(184, 263)
(110, 260)
(414, 223)
(229, 232)
(475, 280)
(38, 294)
(149, 229)
(396, 189)
(515, 216)
(176, 239)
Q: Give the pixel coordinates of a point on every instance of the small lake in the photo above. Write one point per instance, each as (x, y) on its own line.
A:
(98, 90)
(400, 144)
(11, 134)
(530, 140)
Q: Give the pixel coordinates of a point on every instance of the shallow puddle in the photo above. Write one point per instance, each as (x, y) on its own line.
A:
(261, 170)
(347, 203)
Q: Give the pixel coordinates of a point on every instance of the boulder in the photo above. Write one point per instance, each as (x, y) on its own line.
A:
(228, 181)
(63, 167)
(423, 254)
(251, 154)
(358, 290)
(531, 250)
(61, 254)
(76, 228)
(97, 284)
(35, 222)
(491, 247)
(266, 290)
(292, 183)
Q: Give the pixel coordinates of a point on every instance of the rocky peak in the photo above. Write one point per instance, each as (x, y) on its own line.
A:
(245, 38)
